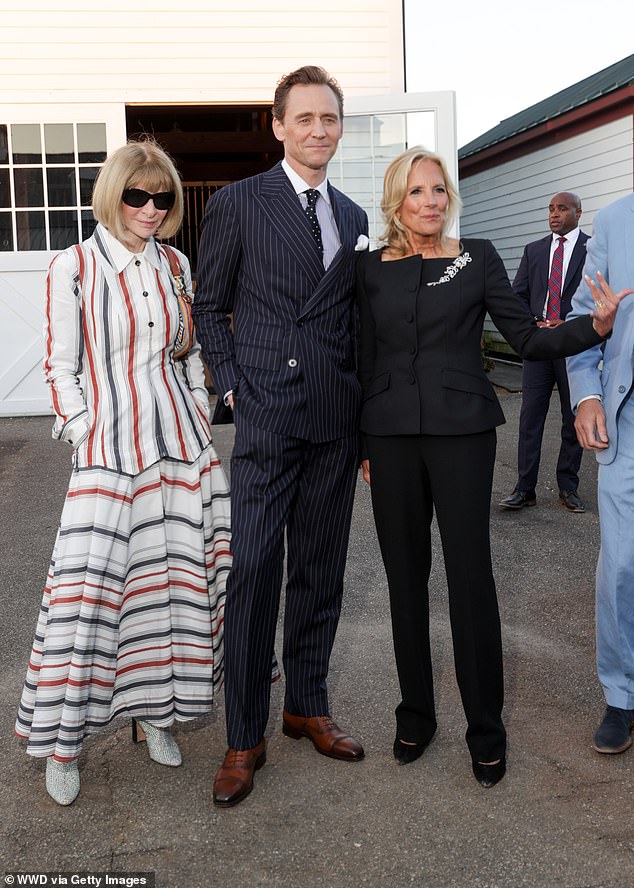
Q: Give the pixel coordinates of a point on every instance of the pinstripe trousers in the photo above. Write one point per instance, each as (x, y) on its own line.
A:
(283, 484)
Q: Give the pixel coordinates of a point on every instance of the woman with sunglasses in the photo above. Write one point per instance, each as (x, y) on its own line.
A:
(131, 618)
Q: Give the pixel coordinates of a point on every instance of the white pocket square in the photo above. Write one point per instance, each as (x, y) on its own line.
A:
(363, 242)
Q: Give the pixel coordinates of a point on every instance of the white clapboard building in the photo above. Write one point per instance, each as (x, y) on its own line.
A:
(76, 82)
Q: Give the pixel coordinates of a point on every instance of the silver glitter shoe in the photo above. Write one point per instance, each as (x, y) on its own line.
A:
(161, 746)
(62, 781)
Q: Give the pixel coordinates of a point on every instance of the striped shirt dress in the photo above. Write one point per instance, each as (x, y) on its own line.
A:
(131, 620)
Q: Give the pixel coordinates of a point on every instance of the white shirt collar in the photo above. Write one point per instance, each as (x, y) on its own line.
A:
(122, 257)
(300, 186)
(571, 237)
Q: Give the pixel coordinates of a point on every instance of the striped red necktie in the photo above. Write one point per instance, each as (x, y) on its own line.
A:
(553, 311)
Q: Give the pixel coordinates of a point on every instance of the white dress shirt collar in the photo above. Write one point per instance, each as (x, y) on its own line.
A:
(300, 186)
(122, 257)
(571, 238)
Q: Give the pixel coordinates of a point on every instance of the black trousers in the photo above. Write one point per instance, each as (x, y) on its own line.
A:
(538, 381)
(411, 475)
(284, 485)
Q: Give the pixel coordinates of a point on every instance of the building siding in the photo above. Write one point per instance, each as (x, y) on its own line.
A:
(508, 203)
(194, 52)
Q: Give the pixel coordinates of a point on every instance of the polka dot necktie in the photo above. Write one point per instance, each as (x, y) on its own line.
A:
(553, 311)
(313, 221)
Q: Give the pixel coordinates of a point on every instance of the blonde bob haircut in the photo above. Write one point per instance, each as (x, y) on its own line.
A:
(144, 165)
(395, 191)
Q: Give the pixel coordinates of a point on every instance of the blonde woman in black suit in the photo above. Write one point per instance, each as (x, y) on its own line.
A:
(428, 421)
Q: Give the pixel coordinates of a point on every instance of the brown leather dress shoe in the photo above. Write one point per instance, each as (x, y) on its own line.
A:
(234, 780)
(326, 736)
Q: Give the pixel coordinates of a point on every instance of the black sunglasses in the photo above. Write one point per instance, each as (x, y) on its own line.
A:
(135, 197)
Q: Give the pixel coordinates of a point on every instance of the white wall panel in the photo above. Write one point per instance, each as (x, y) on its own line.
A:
(147, 51)
(22, 388)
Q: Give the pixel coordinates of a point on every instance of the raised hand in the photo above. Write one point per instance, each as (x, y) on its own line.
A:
(606, 303)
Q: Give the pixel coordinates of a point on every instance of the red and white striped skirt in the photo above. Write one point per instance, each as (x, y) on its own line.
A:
(131, 621)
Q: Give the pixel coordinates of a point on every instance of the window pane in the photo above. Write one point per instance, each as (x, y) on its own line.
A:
(61, 187)
(4, 145)
(27, 147)
(31, 231)
(390, 134)
(421, 129)
(370, 142)
(6, 234)
(29, 190)
(87, 176)
(91, 142)
(5, 191)
(88, 224)
(63, 228)
(58, 138)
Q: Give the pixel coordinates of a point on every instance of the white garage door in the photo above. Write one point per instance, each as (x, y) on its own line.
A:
(22, 388)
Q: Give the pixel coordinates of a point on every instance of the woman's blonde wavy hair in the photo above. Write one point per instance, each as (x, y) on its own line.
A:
(395, 192)
(135, 165)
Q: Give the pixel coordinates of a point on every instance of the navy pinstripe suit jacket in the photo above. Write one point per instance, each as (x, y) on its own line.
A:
(290, 358)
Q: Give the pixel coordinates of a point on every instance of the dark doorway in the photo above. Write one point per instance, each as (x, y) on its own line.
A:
(212, 145)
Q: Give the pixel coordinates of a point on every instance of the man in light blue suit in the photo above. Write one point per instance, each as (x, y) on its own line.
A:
(602, 397)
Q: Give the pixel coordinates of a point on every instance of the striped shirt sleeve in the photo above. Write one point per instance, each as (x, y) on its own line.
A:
(63, 347)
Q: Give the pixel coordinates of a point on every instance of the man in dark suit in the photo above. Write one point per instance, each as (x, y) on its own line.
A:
(277, 251)
(547, 279)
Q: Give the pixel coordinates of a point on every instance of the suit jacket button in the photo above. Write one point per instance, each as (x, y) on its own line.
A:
(621, 389)
(292, 362)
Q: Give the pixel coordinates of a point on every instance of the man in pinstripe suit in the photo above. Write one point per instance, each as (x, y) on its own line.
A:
(277, 251)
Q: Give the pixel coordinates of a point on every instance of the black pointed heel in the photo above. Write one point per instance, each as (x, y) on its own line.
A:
(489, 775)
(405, 753)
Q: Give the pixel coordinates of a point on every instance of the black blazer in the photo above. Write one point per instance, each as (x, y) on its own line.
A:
(531, 280)
(420, 363)
(290, 358)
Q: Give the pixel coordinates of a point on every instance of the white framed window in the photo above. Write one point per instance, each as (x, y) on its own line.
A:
(49, 156)
(376, 129)
(47, 171)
